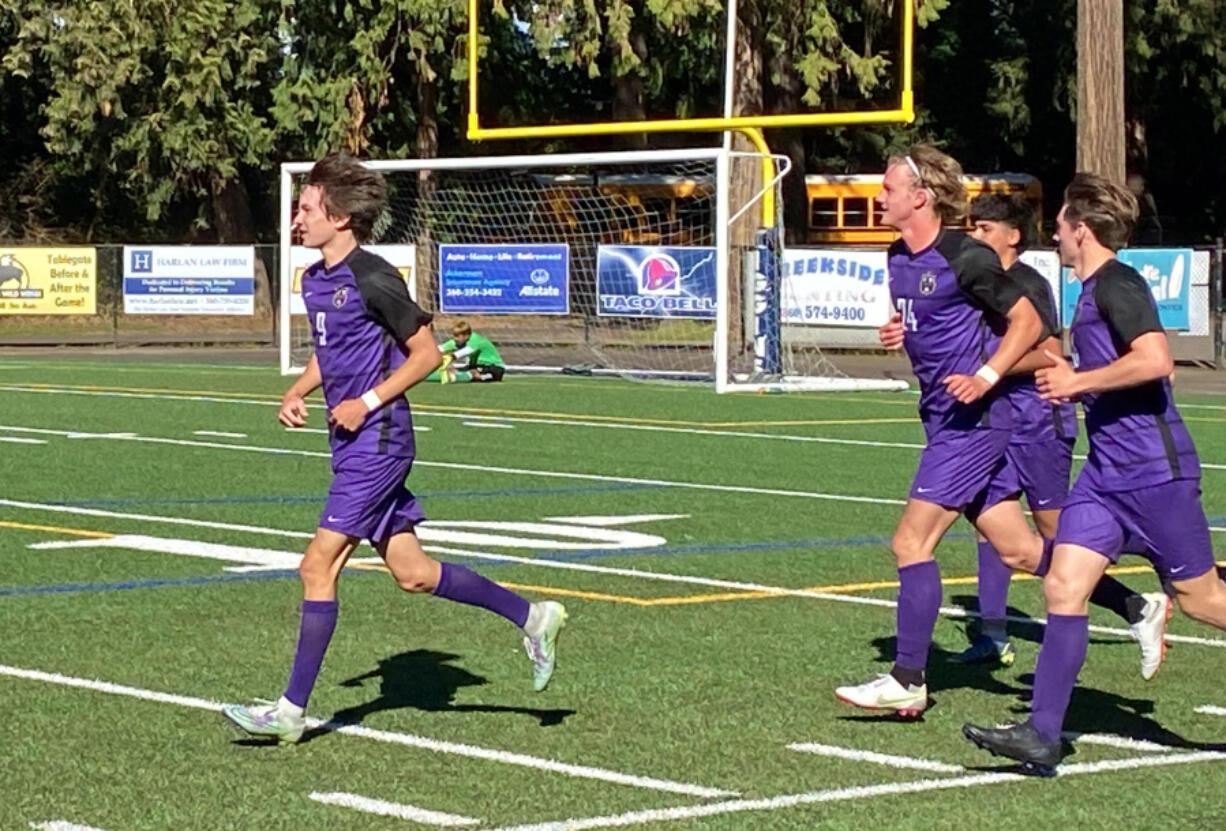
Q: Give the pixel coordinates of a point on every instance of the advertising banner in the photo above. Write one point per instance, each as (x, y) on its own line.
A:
(48, 281)
(189, 279)
(504, 279)
(655, 281)
(1168, 272)
(402, 257)
(835, 287)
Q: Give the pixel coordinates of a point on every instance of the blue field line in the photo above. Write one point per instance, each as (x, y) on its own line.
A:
(319, 498)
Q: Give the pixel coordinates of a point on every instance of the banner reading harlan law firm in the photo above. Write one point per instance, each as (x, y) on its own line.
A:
(188, 280)
(48, 281)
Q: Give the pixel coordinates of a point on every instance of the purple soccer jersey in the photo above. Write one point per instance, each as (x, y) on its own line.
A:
(942, 293)
(1137, 438)
(1036, 421)
(361, 315)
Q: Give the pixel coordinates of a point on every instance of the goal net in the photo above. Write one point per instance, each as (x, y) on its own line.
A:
(647, 264)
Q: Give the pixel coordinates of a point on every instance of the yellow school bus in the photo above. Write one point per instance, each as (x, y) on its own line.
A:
(842, 210)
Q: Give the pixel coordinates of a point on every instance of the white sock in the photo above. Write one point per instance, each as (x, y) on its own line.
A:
(289, 708)
(536, 617)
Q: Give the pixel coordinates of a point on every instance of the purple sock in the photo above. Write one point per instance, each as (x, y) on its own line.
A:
(919, 603)
(314, 633)
(994, 577)
(1060, 659)
(1045, 559)
(464, 585)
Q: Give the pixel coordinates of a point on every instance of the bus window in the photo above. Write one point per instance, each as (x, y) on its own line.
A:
(856, 212)
(823, 213)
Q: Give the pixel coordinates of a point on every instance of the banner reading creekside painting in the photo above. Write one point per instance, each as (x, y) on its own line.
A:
(847, 287)
(48, 281)
(188, 279)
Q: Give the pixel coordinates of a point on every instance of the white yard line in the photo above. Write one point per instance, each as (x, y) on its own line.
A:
(219, 434)
(393, 809)
(875, 758)
(546, 474)
(407, 739)
(1211, 710)
(487, 424)
(62, 825)
(19, 440)
(1119, 742)
(850, 794)
(948, 611)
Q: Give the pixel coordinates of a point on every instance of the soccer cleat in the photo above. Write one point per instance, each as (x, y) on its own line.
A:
(886, 693)
(1150, 632)
(268, 720)
(1020, 742)
(543, 649)
(984, 649)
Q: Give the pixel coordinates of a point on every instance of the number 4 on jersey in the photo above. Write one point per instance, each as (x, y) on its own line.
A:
(906, 308)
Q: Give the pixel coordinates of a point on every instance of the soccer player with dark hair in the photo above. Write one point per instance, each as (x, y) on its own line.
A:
(1040, 454)
(945, 285)
(1140, 487)
(372, 343)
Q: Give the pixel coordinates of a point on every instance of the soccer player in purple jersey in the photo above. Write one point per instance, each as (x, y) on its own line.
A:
(1140, 487)
(943, 284)
(372, 343)
(1040, 455)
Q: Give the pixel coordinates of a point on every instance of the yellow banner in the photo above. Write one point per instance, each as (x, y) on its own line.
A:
(48, 281)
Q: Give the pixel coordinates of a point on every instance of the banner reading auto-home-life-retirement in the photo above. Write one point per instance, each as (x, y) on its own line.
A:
(188, 280)
(48, 281)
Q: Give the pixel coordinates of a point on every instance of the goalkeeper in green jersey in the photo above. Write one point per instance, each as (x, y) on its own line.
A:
(468, 357)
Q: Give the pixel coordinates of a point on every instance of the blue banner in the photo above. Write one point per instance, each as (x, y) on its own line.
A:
(1167, 271)
(504, 279)
(655, 281)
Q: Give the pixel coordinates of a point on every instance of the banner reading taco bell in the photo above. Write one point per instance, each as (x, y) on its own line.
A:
(655, 281)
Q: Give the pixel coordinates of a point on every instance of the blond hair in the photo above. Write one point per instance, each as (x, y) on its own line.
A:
(1107, 209)
(461, 327)
(940, 175)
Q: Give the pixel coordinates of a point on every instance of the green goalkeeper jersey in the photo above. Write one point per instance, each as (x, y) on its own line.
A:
(478, 351)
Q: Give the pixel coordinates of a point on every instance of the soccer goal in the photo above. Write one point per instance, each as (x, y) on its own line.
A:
(657, 264)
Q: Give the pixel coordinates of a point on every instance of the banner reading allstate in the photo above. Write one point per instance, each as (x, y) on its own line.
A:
(835, 287)
(188, 280)
(1166, 270)
(504, 279)
(655, 281)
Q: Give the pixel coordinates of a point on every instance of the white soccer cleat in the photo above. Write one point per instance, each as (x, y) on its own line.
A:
(543, 649)
(886, 693)
(268, 720)
(1150, 632)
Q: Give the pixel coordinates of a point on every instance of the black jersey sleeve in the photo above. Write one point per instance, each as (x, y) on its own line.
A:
(982, 279)
(1036, 287)
(387, 299)
(1126, 304)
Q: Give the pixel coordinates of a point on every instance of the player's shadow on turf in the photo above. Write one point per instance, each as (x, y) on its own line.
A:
(427, 680)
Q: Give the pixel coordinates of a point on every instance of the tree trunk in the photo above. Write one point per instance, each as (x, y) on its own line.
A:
(424, 273)
(783, 96)
(628, 97)
(1100, 88)
(235, 225)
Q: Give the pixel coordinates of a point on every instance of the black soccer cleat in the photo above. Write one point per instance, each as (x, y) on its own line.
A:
(1020, 742)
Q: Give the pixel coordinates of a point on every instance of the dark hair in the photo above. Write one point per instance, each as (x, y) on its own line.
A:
(1010, 209)
(1107, 209)
(350, 189)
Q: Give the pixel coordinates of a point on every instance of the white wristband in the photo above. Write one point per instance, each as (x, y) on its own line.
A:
(371, 399)
(988, 374)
